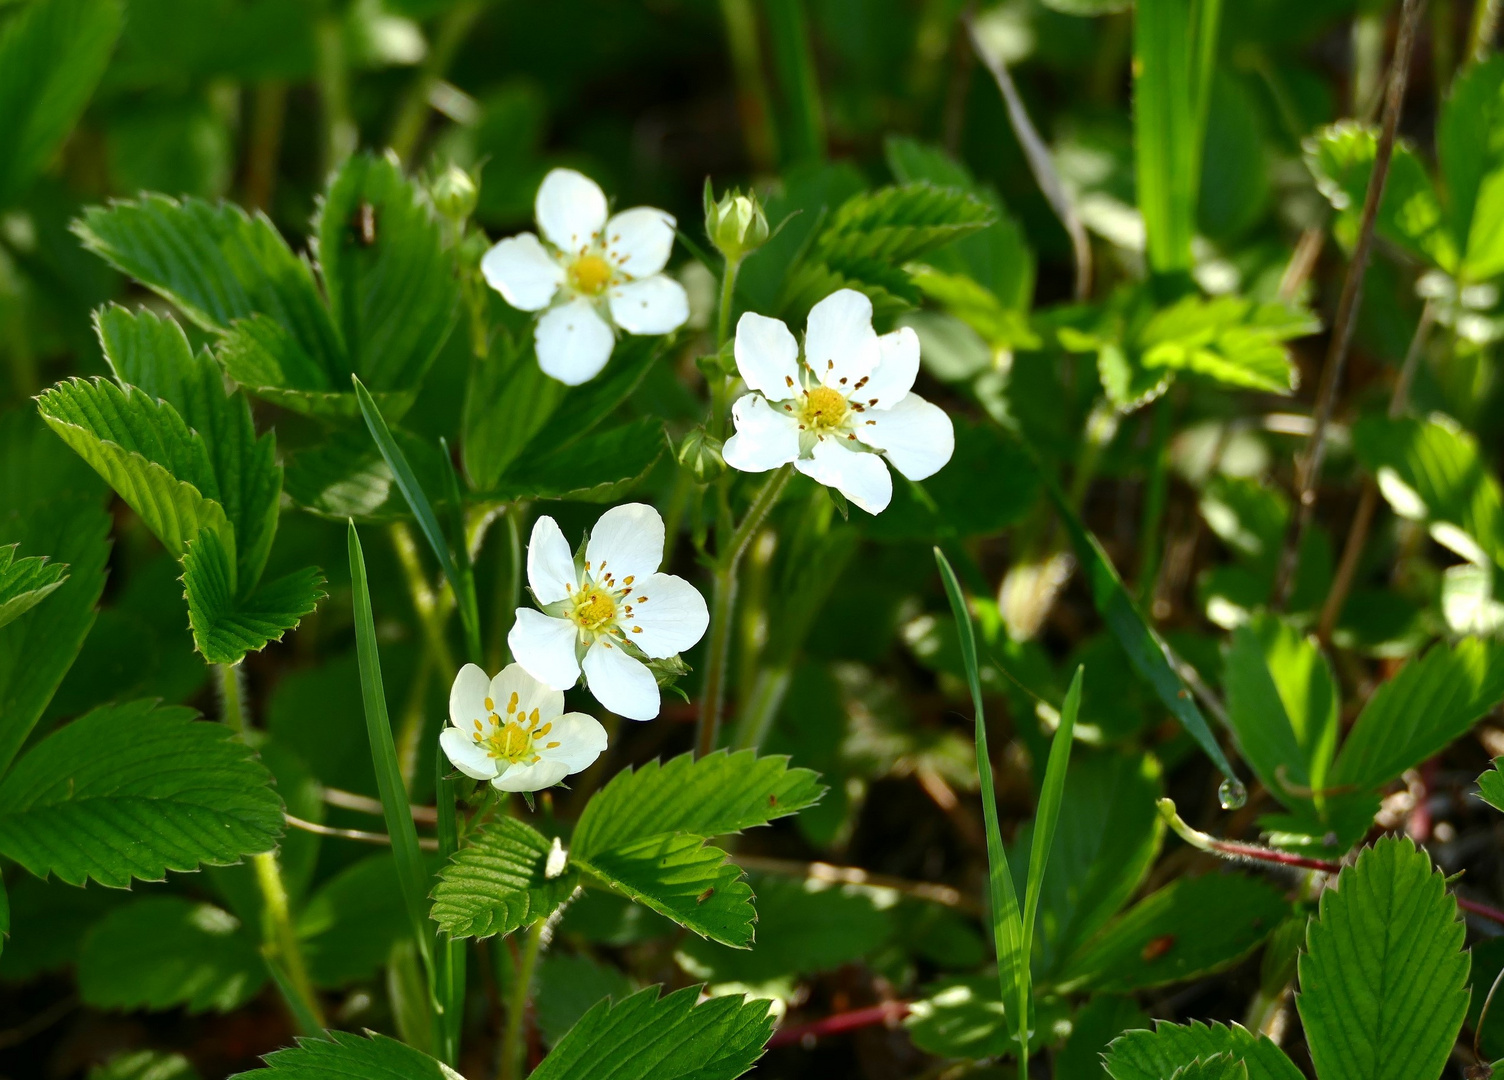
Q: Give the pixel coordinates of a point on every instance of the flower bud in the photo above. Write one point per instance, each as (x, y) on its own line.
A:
(700, 453)
(736, 224)
(454, 194)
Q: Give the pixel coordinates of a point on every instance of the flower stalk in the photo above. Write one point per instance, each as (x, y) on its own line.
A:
(512, 1042)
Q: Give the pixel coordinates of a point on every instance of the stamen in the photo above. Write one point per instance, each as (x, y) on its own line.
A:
(512, 705)
(490, 705)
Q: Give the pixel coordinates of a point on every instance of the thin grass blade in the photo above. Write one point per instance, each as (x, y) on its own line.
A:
(1051, 794)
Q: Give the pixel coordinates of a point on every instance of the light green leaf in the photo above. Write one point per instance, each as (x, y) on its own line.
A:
(498, 882)
(162, 952)
(681, 877)
(52, 55)
(1383, 982)
(220, 265)
(25, 583)
(1153, 1055)
(1228, 339)
(343, 1056)
(647, 1037)
(1410, 216)
(1188, 928)
(1491, 786)
(393, 294)
(1431, 470)
(132, 791)
(1470, 151)
(1431, 701)
(567, 988)
(899, 224)
(152, 354)
(145, 1065)
(146, 453)
(226, 628)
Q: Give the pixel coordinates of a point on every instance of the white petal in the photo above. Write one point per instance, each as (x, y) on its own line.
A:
(573, 342)
(654, 305)
(531, 694)
(767, 356)
(581, 740)
(862, 478)
(620, 683)
(766, 437)
(840, 343)
(545, 647)
(534, 777)
(626, 542)
(571, 209)
(467, 697)
(466, 756)
(670, 620)
(895, 372)
(550, 565)
(525, 274)
(639, 240)
(915, 435)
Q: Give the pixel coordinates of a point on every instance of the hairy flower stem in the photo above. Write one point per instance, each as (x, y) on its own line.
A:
(723, 608)
(512, 1042)
(280, 939)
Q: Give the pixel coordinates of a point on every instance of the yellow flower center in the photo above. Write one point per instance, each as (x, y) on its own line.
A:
(590, 274)
(513, 740)
(594, 609)
(824, 409)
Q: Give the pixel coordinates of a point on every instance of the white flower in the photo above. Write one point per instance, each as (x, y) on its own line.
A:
(593, 275)
(841, 409)
(602, 617)
(513, 731)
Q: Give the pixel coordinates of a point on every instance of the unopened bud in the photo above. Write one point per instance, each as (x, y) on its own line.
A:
(736, 224)
(454, 194)
(700, 453)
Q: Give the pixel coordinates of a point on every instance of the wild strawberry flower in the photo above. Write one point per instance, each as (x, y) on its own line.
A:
(607, 613)
(842, 408)
(513, 731)
(590, 275)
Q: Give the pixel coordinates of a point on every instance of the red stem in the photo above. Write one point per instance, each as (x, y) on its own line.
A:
(886, 1013)
(1491, 913)
(1283, 858)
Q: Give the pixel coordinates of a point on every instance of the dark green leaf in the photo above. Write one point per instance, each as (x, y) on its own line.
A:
(681, 877)
(226, 628)
(1153, 1055)
(348, 927)
(1491, 786)
(25, 583)
(1099, 1021)
(498, 882)
(567, 988)
(601, 468)
(344, 1056)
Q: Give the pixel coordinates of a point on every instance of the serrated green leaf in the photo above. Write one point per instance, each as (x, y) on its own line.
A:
(1228, 339)
(1410, 216)
(145, 1065)
(1470, 151)
(599, 468)
(898, 224)
(498, 882)
(152, 354)
(132, 791)
(52, 55)
(344, 1055)
(161, 952)
(25, 583)
(393, 294)
(647, 1037)
(681, 877)
(1430, 702)
(1216, 1067)
(1098, 1023)
(1188, 928)
(219, 265)
(225, 627)
(1491, 786)
(146, 452)
(1153, 1055)
(720, 793)
(1383, 981)
(1432, 471)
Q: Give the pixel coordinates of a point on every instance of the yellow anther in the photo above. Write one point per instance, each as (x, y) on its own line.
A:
(490, 705)
(512, 705)
(590, 274)
(551, 746)
(546, 728)
(823, 409)
(594, 609)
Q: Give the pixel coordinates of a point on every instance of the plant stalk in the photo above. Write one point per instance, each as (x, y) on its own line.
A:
(513, 1045)
(413, 111)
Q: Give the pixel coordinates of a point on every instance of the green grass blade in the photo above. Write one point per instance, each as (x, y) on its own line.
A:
(1048, 814)
(1007, 923)
(1167, 152)
(417, 501)
(451, 951)
(411, 872)
(788, 31)
(469, 605)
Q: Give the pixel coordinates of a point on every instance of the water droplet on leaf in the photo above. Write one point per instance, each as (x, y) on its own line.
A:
(1232, 794)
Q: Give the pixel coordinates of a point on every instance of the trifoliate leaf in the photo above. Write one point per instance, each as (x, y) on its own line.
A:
(162, 952)
(1153, 1055)
(25, 583)
(647, 1037)
(132, 791)
(344, 1055)
(499, 881)
(52, 54)
(681, 877)
(1188, 928)
(1383, 982)
(717, 794)
(225, 627)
